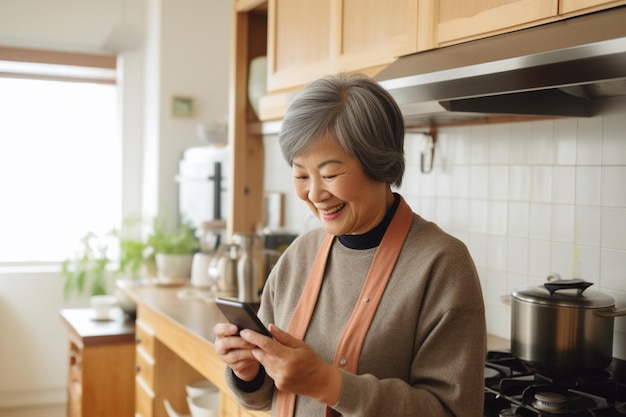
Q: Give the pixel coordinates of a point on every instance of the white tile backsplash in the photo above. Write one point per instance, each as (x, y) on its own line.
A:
(614, 228)
(528, 199)
(565, 142)
(588, 191)
(614, 186)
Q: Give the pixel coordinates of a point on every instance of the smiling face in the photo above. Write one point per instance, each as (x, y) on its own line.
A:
(337, 191)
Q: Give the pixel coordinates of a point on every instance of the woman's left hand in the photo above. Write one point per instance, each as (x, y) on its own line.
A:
(294, 366)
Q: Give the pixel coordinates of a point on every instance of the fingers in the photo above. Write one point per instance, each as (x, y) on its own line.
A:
(235, 352)
(284, 337)
(224, 330)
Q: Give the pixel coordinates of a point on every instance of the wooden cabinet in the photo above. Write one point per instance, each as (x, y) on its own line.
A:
(174, 347)
(458, 20)
(299, 34)
(311, 38)
(372, 33)
(100, 364)
(571, 7)
(144, 366)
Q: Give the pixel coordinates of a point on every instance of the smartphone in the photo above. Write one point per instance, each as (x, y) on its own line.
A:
(241, 315)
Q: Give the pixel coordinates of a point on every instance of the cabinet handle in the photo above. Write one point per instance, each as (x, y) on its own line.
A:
(137, 368)
(137, 340)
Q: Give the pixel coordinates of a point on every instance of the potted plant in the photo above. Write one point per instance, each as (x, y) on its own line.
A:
(173, 250)
(92, 270)
(86, 272)
(136, 259)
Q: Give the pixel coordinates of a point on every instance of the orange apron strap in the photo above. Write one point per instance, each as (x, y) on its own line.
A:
(299, 322)
(351, 341)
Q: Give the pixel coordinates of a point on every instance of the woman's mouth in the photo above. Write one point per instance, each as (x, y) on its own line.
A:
(329, 212)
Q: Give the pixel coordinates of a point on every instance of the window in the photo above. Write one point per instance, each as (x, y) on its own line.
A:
(60, 166)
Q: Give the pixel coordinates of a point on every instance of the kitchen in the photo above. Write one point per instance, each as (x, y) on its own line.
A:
(528, 198)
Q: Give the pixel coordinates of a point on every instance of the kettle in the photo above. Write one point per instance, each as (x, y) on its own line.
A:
(249, 266)
(223, 269)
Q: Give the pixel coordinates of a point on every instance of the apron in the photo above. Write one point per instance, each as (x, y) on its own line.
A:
(351, 341)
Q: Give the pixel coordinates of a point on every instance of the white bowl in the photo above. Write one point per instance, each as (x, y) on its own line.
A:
(200, 387)
(102, 305)
(205, 405)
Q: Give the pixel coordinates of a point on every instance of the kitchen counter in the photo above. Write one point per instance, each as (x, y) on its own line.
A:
(497, 343)
(182, 330)
(175, 347)
(101, 356)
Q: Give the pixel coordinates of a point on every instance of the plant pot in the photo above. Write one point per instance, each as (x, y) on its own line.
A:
(173, 267)
(128, 306)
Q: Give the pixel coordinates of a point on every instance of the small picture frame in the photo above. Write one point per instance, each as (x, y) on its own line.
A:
(183, 106)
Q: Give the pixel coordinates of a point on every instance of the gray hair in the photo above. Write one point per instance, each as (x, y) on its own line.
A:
(359, 113)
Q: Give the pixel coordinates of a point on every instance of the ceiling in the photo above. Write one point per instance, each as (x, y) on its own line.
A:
(73, 25)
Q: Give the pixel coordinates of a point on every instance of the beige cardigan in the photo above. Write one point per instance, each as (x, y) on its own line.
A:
(424, 352)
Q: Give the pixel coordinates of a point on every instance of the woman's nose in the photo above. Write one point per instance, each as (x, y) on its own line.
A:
(317, 192)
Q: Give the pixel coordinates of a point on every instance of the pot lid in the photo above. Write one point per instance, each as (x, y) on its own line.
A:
(565, 293)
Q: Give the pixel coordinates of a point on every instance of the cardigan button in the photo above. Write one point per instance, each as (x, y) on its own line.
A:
(366, 300)
(343, 362)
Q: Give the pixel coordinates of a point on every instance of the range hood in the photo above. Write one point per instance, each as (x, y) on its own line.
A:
(559, 69)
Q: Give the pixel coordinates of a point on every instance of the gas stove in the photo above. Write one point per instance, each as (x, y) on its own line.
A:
(513, 390)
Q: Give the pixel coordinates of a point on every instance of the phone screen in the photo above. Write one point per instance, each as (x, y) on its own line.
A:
(241, 315)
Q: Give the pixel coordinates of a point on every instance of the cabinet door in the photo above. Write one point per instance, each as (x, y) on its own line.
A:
(460, 20)
(374, 32)
(573, 6)
(299, 33)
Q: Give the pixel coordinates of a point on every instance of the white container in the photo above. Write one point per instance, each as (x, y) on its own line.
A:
(200, 271)
(102, 305)
(205, 405)
(200, 387)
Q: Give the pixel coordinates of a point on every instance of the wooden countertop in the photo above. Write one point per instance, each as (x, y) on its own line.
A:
(90, 332)
(194, 314)
(497, 343)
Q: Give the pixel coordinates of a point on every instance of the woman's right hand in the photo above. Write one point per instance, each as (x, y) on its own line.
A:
(235, 351)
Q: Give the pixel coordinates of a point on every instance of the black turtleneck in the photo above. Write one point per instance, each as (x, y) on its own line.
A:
(372, 238)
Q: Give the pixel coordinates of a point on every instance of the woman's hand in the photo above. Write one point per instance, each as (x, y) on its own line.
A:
(294, 366)
(236, 352)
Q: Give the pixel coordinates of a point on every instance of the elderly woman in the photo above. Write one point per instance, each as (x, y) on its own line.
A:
(377, 313)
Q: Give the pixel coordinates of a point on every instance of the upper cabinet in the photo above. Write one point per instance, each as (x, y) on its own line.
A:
(373, 32)
(568, 7)
(299, 42)
(459, 21)
(307, 39)
(311, 38)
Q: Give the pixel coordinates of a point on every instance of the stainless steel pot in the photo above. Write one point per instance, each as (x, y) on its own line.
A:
(563, 328)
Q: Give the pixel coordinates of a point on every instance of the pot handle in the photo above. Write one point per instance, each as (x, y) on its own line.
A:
(564, 284)
(611, 313)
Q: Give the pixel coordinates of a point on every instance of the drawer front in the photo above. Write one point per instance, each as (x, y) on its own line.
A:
(144, 399)
(144, 337)
(144, 365)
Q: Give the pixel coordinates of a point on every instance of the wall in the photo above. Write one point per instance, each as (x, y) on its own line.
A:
(190, 56)
(528, 199)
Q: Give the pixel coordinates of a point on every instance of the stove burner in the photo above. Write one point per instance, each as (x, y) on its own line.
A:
(549, 401)
(513, 391)
(491, 373)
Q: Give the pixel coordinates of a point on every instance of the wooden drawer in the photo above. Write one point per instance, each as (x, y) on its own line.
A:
(144, 399)
(144, 337)
(144, 365)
